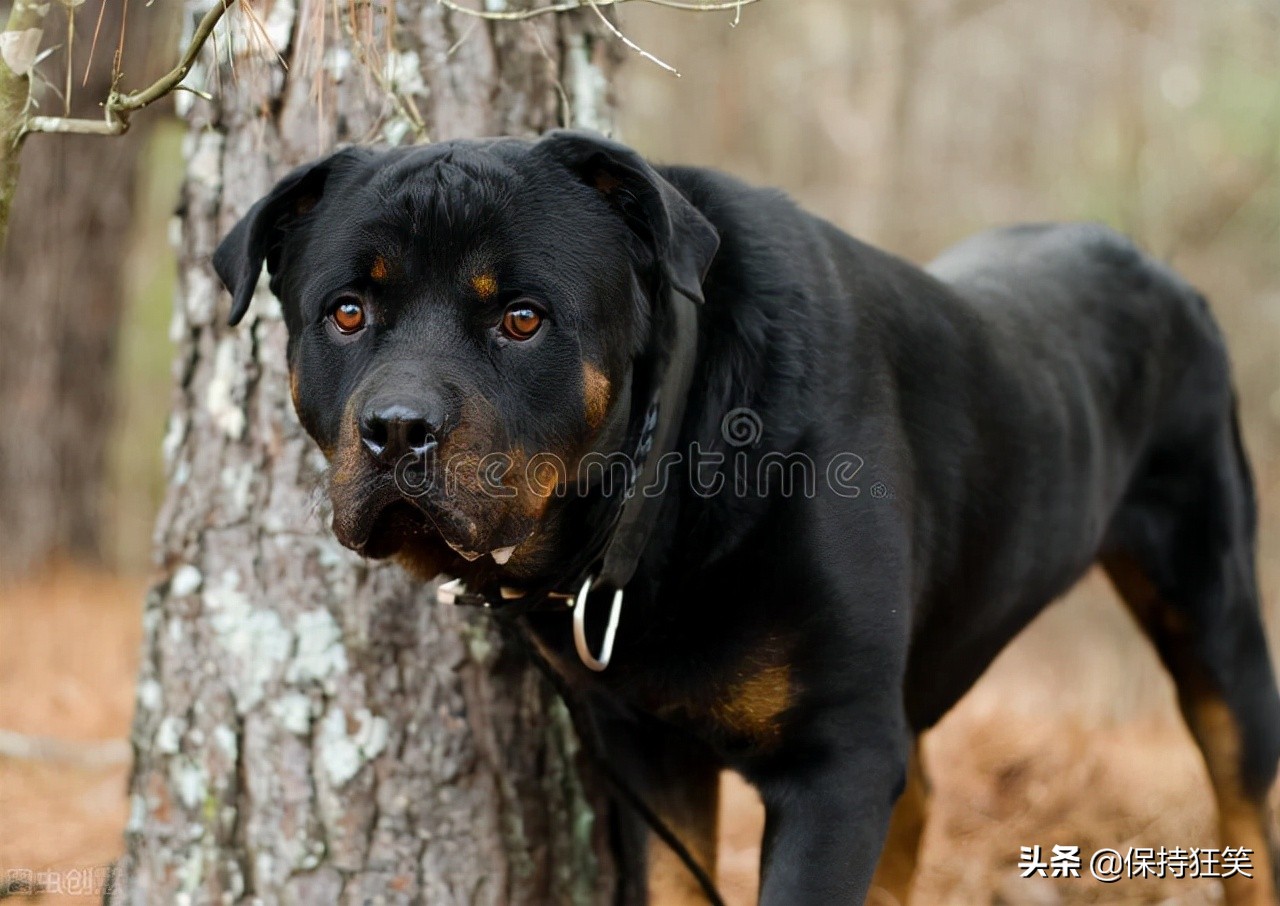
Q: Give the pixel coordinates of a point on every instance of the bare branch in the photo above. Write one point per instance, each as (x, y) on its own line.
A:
(93, 47)
(106, 753)
(518, 15)
(124, 105)
(19, 45)
(521, 15)
(376, 68)
(19, 50)
(617, 33)
(71, 52)
(119, 107)
(66, 125)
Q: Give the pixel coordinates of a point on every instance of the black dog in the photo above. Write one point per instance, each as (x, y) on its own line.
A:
(823, 488)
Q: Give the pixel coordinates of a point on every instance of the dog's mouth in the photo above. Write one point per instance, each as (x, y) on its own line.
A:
(429, 537)
(391, 528)
(382, 528)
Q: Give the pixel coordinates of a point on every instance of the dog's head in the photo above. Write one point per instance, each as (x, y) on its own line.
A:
(464, 322)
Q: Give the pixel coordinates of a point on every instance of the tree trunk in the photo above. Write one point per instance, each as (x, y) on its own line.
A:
(61, 296)
(312, 729)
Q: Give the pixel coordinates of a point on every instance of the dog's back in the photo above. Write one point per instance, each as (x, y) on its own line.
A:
(1179, 546)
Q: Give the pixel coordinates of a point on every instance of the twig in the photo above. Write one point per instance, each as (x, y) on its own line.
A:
(93, 45)
(522, 14)
(566, 108)
(453, 48)
(117, 61)
(71, 52)
(68, 125)
(261, 29)
(375, 68)
(167, 83)
(617, 33)
(119, 107)
(104, 754)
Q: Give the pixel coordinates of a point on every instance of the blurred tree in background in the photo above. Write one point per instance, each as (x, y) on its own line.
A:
(62, 286)
(914, 123)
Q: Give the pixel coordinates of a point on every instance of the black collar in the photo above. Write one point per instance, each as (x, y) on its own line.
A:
(607, 566)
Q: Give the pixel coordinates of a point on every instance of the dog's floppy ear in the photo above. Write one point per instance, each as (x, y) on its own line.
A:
(683, 241)
(256, 238)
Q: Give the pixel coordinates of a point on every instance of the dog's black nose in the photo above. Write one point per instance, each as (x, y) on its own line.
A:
(391, 432)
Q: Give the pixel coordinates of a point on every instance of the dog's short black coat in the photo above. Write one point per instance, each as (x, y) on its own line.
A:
(1039, 399)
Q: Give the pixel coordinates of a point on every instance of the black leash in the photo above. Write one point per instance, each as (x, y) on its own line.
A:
(593, 744)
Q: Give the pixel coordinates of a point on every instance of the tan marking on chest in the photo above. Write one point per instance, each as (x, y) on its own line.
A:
(749, 705)
(596, 395)
(752, 706)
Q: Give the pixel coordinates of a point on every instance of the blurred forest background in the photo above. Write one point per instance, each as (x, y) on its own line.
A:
(909, 122)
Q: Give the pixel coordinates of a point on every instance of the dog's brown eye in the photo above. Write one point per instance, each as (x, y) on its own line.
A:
(349, 316)
(521, 321)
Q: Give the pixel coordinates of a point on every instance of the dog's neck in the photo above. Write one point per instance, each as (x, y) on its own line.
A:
(604, 532)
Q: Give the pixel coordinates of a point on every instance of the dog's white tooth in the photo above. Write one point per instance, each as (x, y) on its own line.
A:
(461, 552)
(502, 554)
(448, 592)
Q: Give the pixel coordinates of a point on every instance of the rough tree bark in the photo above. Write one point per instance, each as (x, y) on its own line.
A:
(310, 729)
(61, 295)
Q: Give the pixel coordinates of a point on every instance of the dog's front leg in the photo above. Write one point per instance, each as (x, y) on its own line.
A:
(827, 814)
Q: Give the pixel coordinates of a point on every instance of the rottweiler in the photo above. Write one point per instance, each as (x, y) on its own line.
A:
(763, 496)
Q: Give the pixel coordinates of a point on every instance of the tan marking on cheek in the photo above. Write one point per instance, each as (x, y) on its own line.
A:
(348, 459)
(293, 387)
(534, 480)
(596, 395)
(346, 468)
(379, 270)
(485, 284)
(543, 474)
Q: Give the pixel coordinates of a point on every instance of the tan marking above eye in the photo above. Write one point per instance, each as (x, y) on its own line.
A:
(485, 284)
(379, 270)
